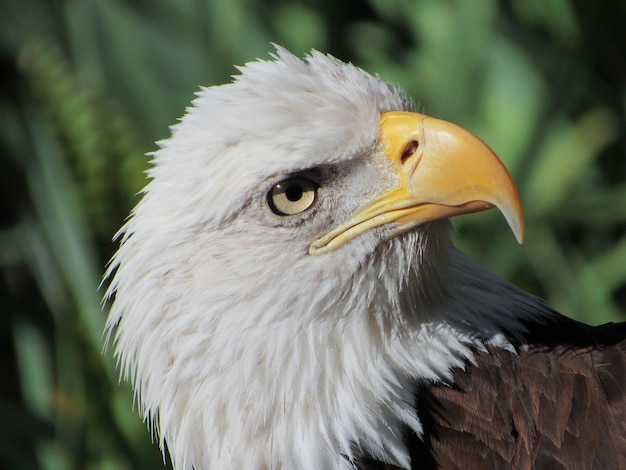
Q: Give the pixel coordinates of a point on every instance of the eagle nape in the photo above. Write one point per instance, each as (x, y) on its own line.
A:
(286, 295)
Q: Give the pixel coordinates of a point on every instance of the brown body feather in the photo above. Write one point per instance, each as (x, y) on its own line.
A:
(558, 403)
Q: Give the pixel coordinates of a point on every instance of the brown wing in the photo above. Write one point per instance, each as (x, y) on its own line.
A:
(551, 406)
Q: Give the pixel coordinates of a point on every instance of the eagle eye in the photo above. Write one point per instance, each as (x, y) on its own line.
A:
(292, 196)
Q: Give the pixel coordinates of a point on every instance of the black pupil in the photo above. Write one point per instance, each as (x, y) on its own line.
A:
(293, 192)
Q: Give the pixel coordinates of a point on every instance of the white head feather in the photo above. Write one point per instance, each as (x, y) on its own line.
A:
(246, 351)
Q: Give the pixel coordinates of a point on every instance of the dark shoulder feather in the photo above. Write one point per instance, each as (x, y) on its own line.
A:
(558, 403)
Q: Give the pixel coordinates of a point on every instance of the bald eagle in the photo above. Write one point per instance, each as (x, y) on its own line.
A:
(286, 295)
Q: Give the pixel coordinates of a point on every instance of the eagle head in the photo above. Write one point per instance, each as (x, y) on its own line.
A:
(288, 278)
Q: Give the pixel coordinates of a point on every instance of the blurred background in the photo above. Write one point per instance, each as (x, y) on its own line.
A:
(87, 86)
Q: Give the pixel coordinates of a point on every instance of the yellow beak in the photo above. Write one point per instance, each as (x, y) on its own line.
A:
(442, 170)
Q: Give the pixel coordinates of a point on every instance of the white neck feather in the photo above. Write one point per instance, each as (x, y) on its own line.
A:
(310, 382)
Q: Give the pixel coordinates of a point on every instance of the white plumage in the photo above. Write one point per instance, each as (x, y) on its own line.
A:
(244, 349)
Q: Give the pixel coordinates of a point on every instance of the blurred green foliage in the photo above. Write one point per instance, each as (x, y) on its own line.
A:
(88, 85)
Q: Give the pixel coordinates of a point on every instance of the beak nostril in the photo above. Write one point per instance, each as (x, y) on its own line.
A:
(408, 151)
